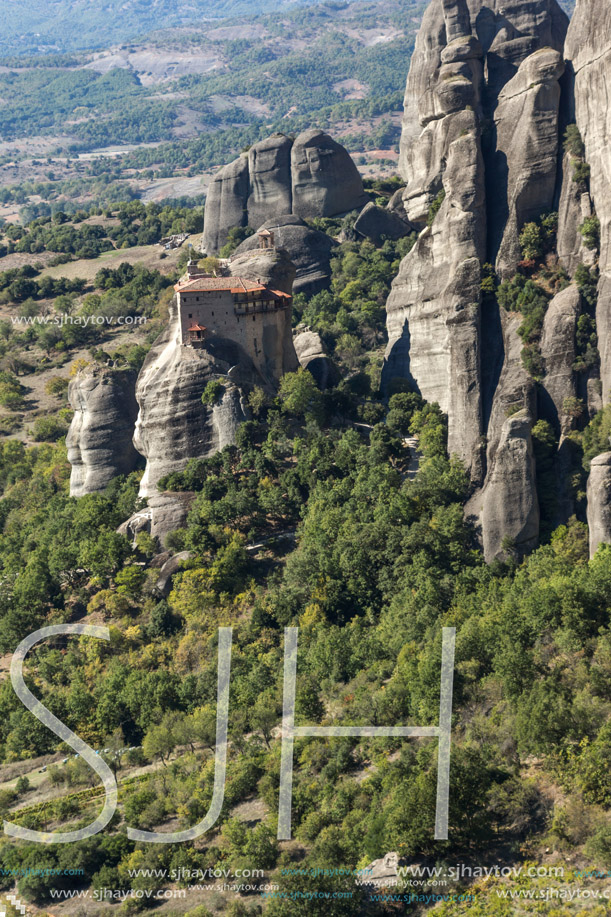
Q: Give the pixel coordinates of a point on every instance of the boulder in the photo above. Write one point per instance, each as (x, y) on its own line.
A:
(99, 440)
(599, 501)
(311, 355)
(309, 249)
(524, 166)
(138, 522)
(377, 223)
(167, 572)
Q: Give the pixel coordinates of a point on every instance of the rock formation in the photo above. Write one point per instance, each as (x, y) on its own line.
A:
(574, 207)
(312, 176)
(377, 223)
(173, 425)
(510, 507)
(502, 513)
(526, 158)
(434, 306)
(226, 203)
(312, 356)
(99, 440)
(588, 47)
(479, 154)
(599, 501)
(309, 250)
(558, 349)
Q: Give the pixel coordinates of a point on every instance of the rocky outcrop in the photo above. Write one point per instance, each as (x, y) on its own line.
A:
(433, 311)
(169, 511)
(509, 505)
(574, 207)
(599, 501)
(173, 425)
(378, 223)
(506, 509)
(226, 203)
(525, 162)
(588, 47)
(309, 250)
(485, 80)
(312, 356)
(170, 568)
(506, 33)
(559, 350)
(99, 440)
(312, 176)
(325, 180)
(269, 170)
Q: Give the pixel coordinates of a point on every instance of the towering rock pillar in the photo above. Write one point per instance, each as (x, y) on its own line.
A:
(479, 151)
(588, 48)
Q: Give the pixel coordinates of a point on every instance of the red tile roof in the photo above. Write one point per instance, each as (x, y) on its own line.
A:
(227, 284)
(197, 327)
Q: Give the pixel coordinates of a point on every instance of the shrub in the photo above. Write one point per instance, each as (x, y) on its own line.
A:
(590, 230)
(213, 392)
(435, 207)
(56, 385)
(48, 429)
(573, 143)
(581, 172)
(531, 241)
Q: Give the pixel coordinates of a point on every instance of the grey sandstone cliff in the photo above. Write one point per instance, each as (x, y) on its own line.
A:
(599, 501)
(173, 425)
(559, 351)
(588, 47)
(506, 508)
(524, 165)
(433, 311)
(574, 207)
(312, 176)
(99, 440)
(480, 142)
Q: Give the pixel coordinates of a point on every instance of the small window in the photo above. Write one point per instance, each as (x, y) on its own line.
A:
(253, 318)
(213, 313)
(190, 315)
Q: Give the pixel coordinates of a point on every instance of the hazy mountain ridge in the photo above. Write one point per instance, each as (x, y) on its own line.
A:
(72, 24)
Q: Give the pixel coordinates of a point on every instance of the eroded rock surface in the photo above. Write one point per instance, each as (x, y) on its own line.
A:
(309, 249)
(588, 47)
(312, 356)
(526, 158)
(99, 440)
(599, 501)
(312, 176)
(173, 425)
